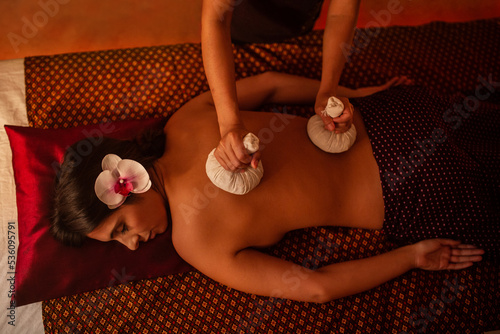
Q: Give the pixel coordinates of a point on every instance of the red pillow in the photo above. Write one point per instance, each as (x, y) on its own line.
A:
(45, 268)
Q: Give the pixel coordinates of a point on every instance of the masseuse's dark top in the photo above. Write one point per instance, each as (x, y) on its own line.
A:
(268, 21)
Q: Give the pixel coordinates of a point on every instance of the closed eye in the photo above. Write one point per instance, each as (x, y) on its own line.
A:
(124, 229)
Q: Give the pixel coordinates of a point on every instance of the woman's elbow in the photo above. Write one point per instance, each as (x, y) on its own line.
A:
(323, 290)
(319, 293)
(319, 299)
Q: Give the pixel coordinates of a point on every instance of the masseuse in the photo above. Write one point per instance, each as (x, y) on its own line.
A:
(217, 16)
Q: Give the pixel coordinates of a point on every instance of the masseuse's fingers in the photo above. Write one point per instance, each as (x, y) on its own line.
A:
(319, 107)
(228, 158)
(231, 152)
(255, 159)
(222, 158)
(344, 121)
(338, 124)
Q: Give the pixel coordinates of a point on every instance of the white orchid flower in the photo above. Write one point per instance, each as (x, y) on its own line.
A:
(119, 178)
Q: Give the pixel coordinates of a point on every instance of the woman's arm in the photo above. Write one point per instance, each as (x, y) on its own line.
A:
(254, 272)
(281, 88)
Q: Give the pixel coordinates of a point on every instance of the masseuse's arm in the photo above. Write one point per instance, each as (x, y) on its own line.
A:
(339, 31)
(219, 68)
(254, 272)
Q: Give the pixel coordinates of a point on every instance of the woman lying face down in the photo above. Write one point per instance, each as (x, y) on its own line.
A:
(220, 233)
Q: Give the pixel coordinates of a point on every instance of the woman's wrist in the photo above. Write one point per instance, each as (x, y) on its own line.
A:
(410, 256)
(405, 257)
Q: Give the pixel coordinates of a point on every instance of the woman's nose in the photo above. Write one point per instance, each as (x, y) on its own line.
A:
(131, 243)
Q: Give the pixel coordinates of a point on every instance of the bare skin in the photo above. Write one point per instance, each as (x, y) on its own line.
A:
(220, 233)
(302, 186)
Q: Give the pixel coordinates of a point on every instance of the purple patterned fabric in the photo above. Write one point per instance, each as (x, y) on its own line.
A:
(438, 166)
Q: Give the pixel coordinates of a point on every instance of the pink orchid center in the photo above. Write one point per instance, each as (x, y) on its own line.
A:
(123, 187)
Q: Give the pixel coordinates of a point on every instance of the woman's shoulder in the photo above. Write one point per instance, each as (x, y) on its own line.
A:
(191, 119)
(197, 241)
(191, 109)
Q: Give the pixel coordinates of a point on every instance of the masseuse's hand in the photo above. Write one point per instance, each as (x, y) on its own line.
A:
(443, 254)
(338, 124)
(231, 153)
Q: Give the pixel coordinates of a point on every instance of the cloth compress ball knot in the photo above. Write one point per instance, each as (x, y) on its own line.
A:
(238, 183)
(326, 140)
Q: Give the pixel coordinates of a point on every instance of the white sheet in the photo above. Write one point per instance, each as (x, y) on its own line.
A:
(25, 319)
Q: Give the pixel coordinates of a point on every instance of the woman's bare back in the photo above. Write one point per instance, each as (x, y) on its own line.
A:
(302, 186)
(218, 232)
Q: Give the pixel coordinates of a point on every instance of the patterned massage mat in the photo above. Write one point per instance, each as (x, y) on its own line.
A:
(76, 89)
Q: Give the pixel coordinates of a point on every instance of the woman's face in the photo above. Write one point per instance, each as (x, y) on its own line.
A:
(130, 224)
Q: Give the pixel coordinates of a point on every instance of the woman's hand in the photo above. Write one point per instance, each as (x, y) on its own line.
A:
(231, 153)
(445, 254)
(396, 81)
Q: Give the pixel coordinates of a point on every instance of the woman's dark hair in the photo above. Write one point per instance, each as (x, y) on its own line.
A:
(76, 210)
